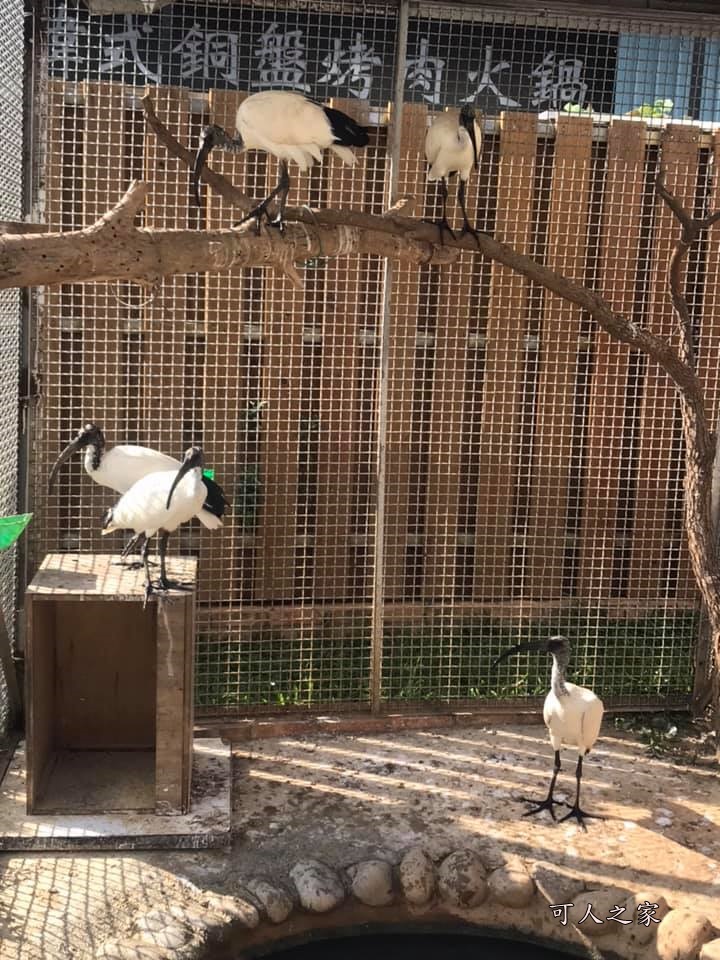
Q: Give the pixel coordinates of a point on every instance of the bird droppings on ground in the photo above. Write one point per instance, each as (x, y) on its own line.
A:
(343, 800)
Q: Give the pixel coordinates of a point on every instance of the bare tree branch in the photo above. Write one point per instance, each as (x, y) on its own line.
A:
(398, 226)
(700, 458)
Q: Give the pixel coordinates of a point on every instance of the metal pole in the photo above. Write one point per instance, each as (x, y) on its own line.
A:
(394, 140)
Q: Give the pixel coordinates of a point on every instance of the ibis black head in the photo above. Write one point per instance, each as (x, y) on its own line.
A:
(193, 458)
(89, 435)
(211, 136)
(468, 119)
(557, 645)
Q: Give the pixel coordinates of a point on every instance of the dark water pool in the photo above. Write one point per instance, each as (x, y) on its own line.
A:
(407, 946)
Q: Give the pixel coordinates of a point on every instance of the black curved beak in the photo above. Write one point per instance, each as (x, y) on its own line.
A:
(469, 124)
(191, 460)
(471, 131)
(519, 648)
(207, 142)
(63, 458)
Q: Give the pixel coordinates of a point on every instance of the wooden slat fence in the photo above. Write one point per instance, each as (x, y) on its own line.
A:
(532, 463)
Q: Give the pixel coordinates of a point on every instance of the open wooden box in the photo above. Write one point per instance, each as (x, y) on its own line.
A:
(109, 688)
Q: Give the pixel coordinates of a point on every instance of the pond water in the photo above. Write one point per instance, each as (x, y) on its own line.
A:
(406, 946)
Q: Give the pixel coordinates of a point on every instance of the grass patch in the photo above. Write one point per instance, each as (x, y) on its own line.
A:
(648, 657)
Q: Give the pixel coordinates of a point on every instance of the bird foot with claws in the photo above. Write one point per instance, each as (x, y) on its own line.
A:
(259, 213)
(547, 804)
(473, 233)
(442, 225)
(580, 815)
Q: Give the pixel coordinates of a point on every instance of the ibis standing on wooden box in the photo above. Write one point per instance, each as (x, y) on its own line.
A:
(573, 716)
(452, 146)
(291, 128)
(122, 466)
(159, 503)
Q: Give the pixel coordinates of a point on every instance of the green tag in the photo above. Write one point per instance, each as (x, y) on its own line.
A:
(11, 528)
(210, 474)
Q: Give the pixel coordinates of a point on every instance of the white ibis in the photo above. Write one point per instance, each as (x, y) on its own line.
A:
(159, 503)
(573, 716)
(291, 128)
(452, 146)
(122, 466)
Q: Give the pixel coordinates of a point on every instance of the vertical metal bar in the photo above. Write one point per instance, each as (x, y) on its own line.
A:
(394, 138)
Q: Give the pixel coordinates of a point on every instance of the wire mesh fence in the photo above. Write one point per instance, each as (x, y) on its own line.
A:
(11, 133)
(411, 492)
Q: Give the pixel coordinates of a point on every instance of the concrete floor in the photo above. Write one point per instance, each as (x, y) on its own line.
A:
(345, 798)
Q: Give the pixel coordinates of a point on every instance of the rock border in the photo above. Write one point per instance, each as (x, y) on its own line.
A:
(481, 886)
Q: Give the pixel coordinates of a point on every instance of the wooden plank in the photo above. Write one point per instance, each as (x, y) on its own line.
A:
(53, 424)
(505, 353)
(283, 392)
(226, 395)
(401, 366)
(420, 612)
(95, 576)
(655, 529)
(12, 689)
(174, 648)
(104, 691)
(554, 430)
(169, 317)
(102, 391)
(345, 314)
(39, 696)
(602, 535)
(446, 428)
(286, 392)
(188, 719)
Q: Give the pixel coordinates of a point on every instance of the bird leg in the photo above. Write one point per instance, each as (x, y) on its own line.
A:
(442, 223)
(466, 223)
(148, 579)
(163, 538)
(132, 543)
(261, 210)
(548, 803)
(164, 583)
(575, 810)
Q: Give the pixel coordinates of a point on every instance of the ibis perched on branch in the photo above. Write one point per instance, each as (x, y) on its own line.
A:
(291, 128)
(452, 146)
(573, 716)
(122, 466)
(159, 503)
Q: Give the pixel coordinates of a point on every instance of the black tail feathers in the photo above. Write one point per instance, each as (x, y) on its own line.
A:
(345, 130)
(215, 501)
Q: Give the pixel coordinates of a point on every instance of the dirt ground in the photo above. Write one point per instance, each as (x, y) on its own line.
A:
(344, 798)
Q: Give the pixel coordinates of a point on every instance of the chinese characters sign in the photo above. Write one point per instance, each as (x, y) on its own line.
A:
(496, 67)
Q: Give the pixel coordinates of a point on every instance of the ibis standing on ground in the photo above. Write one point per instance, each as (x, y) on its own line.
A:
(291, 128)
(159, 503)
(122, 466)
(452, 146)
(573, 716)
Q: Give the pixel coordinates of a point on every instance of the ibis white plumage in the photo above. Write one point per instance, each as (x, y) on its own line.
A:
(291, 128)
(573, 716)
(452, 146)
(159, 503)
(122, 466)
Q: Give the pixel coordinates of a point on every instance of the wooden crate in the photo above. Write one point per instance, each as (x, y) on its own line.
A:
(109, 688)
